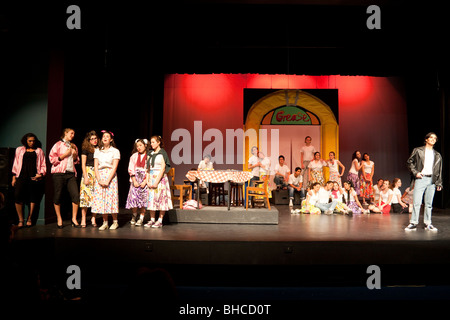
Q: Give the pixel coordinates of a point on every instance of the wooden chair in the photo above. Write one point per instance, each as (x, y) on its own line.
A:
(258, 191)
(182, 188)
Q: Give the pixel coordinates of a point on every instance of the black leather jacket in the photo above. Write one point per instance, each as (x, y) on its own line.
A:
(416, 160)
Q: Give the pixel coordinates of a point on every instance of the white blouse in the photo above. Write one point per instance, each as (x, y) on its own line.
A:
(159, 160)
(106, 157)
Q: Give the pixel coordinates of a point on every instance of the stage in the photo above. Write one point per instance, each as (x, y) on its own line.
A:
(306, 257)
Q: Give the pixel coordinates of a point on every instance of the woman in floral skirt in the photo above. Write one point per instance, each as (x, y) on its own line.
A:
(106, 191)
(90, 144)
(316, 169)
(138, 194)
(368, 169)
(159, 197)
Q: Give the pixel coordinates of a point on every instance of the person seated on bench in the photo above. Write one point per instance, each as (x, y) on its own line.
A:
(281, 173)
(295, 183)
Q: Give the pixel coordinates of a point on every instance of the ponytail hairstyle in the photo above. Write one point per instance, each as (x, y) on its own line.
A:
(159, 139)
(65, 131)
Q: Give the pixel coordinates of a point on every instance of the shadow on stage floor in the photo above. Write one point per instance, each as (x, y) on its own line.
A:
(303, 257)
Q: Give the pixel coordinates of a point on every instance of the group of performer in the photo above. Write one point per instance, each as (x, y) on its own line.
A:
(318, 196)
(148, 168)
(150, 190)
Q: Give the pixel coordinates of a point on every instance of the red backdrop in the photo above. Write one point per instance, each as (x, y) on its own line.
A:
(372, 114)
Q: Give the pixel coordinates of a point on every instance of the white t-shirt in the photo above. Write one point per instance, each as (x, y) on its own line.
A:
(205, 166)
(352, 196)
(314, 197)
(69, 166)
(315, 165)
(281, 169)
(376, 193)
(324, 195)
(353, 168)
(252, 161)
(428, 163)
(368, 167)
(308, 153)
(106, 157)
(295, 180)
(397, 193)
(333, 167)
(385, 196)
(265, 166)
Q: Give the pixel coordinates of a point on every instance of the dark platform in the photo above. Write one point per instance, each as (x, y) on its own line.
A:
(303, 257)
(217, 215)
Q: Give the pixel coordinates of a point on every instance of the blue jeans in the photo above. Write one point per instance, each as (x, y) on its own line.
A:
(326, 206)
(421, 187)
(292, 190)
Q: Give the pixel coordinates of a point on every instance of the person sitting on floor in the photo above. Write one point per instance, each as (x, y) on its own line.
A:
(324, 195)
(312, 197)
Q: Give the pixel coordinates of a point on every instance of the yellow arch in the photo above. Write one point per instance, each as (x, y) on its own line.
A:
(329, 125)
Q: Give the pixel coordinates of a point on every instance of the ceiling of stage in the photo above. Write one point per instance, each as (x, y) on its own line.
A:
(231, 36)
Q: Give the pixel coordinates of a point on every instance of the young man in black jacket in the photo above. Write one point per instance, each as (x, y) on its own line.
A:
(425, 164)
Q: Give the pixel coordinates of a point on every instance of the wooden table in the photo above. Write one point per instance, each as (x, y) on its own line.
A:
(218, 176)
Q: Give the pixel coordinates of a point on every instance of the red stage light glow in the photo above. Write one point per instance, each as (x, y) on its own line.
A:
(208, 91)
(354, 90)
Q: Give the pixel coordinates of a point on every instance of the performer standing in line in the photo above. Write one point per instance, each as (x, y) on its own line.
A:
(28, 170)
(368, 170)
(316, 169)
(334, 165)
(90, 144)
(106, 191)
(63, 157)
(159, 198)
(353, 173)
(138, 194)
(425, 164)
(306, 156)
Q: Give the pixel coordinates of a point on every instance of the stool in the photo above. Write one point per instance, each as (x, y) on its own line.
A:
(236, 193)
(216, 190)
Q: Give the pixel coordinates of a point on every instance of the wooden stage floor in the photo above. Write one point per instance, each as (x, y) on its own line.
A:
(303, 257)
